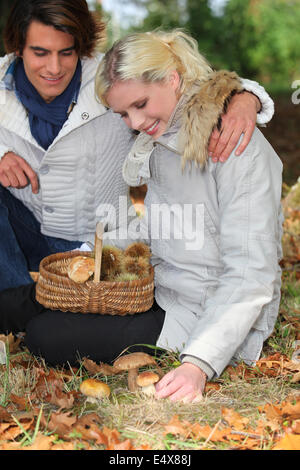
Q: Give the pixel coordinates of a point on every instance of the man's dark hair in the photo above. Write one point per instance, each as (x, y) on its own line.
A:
(69, 16)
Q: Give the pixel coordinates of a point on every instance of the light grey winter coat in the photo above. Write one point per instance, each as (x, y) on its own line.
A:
(220, 290)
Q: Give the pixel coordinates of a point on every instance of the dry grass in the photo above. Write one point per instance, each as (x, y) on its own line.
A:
(143, 420)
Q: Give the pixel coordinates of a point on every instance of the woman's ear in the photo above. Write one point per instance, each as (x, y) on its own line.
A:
(174, 80)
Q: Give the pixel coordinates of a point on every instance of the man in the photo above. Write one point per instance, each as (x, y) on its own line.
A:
(61, 151)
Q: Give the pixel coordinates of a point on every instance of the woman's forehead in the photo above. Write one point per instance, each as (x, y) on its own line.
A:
(126, 93)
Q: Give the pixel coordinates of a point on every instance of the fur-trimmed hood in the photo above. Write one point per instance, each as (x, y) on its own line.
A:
(202, 112)
(197, 113)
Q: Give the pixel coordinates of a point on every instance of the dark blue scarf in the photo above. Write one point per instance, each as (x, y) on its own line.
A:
(46, 119)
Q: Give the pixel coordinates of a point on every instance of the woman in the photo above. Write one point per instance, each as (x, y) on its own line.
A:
(220, 292)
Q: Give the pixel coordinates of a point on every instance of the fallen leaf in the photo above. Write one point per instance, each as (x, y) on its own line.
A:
(64, 446)
(12, 342)
(46, 383)
(211, 386)
(234, 419)
(88, 427)
(291, 410)
(4, 415)
(177, 427)
(59, 423)
(50, 388)
(10, 446)
(125, 445)
(207, 432)
(288, 442)
(41, 442)
(296, 378)
(105, 369)
(62, 399)
(265, 425)
(3, 427)
(272, 411)
(13, 430)
(296, 426)
(22, 403)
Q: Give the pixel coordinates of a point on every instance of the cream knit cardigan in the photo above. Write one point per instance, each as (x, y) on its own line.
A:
(80, 171)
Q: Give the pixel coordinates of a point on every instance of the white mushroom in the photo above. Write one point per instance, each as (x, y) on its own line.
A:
(146, 381)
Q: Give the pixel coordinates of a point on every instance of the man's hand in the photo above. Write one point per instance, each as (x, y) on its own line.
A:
(16, 173)
(239, 119)
(186, 383)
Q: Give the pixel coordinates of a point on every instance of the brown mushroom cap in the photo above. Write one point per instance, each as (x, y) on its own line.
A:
(94, 388)
(147, 378)
(133, 361)
(81, 268)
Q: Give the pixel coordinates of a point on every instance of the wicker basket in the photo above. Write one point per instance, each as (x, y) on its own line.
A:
(56, 291)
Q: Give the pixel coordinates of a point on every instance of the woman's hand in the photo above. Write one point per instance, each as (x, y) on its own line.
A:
(15, 172)
(186, 383)
(239, 119)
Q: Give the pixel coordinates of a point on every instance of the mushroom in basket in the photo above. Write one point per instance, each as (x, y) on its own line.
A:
(81, 268)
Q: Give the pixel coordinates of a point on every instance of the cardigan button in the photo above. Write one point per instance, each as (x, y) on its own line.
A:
(44, 170)
(49, 209)
(85, 116)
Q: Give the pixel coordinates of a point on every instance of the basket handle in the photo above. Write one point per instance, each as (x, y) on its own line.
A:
(98, 250)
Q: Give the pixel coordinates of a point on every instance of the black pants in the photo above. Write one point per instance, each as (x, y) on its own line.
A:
(64, 337)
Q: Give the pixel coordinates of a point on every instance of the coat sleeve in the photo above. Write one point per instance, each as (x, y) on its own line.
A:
(5, 147)
(249, 194)
(267, 104)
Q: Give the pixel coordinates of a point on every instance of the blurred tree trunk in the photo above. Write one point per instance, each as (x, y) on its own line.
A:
(5, 6)
(206, 28)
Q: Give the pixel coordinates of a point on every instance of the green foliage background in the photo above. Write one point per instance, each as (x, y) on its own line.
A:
(260, 39)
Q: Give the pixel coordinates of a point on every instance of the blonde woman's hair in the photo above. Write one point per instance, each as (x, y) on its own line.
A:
(151, 57)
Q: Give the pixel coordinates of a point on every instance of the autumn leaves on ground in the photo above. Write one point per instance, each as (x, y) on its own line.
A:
(255, 408)
(247, 408)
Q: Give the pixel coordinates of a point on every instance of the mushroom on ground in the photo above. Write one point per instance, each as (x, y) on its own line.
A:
(146, 381)
(94, 388)
(132, 362)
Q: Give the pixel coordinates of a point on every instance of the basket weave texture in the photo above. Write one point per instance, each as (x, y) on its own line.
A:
(54, 290)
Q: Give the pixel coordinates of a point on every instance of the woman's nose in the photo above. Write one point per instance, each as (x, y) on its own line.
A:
(137, 121)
